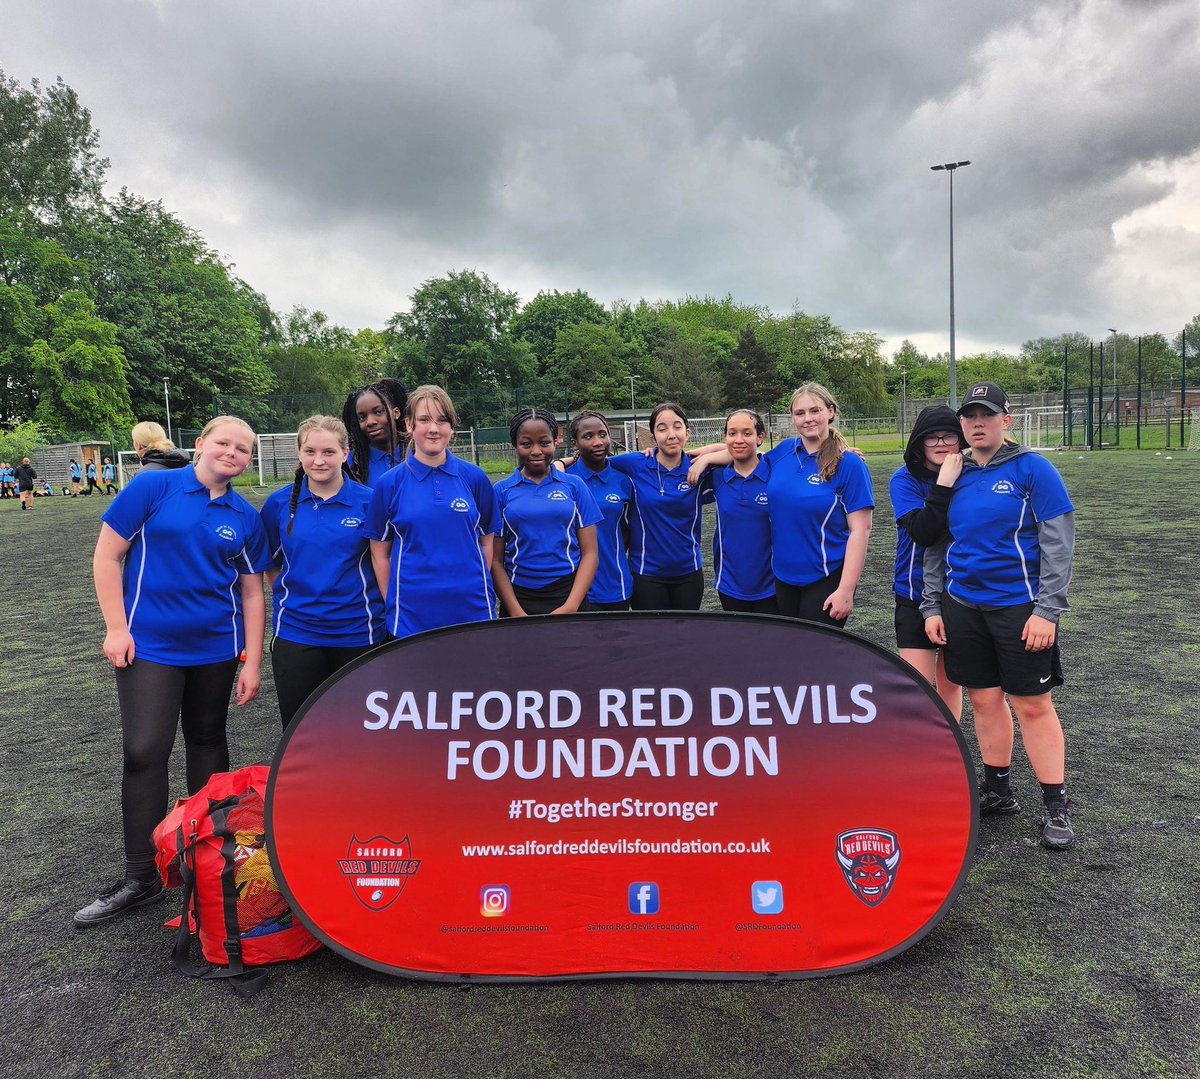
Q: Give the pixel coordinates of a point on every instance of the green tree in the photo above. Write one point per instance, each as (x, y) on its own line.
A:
(802, 345)
(21, 440)
(179, 311)
(590, 362)
(856, 373)
(752, 378)
(79, 370)
(457, 332)
(689, 375)
(538, 323)
(48, 149)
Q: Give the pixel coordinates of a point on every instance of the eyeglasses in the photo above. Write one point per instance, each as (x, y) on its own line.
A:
(941, 440)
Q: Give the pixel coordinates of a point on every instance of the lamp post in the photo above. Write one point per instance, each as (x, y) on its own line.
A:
(949, 168)
(167, 399)
(1116, 390)
(633, 408)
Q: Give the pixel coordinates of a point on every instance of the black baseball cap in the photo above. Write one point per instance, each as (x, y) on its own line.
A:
(987, 394)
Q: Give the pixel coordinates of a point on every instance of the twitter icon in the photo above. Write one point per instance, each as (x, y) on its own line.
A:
(767, 897)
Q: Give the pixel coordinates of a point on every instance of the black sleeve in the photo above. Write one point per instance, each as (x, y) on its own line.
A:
(927, 526)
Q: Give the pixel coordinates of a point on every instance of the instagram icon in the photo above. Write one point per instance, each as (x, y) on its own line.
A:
(493, 900)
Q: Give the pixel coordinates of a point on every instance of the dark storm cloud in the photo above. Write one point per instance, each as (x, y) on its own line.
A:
(779, 151)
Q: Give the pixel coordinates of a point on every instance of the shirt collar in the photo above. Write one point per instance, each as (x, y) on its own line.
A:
(341, 498)
(191, 484)
(759, 473)
(421, 470)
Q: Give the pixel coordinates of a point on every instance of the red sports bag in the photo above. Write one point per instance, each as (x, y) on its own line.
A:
(213, 845)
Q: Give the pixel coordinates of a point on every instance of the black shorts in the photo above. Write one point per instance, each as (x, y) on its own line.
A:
(910, 626)
(543, 600)
(984, 650)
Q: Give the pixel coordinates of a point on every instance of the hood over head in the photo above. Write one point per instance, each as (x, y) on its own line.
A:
(930, 419)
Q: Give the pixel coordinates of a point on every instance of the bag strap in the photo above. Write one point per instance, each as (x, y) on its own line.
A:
(243, 981)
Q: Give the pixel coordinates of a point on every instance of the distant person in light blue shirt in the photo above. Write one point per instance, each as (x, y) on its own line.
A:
(432, 522)
(548, 522)
(374, 419)
(178, 569)
(327, 606)
(613, 493)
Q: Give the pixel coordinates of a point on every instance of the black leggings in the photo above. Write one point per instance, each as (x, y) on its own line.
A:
(749, 606)
(299, 668)
(154, 699)
(805, 601)
(668, 593)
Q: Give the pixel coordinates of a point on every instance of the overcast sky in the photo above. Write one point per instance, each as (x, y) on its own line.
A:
(340, 153)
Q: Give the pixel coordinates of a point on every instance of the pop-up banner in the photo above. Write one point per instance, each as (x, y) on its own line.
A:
(675, 794)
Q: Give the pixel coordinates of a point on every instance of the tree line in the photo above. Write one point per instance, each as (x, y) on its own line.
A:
(103, 298)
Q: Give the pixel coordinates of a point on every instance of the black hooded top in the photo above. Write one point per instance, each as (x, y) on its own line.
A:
(927, 526)
(162, 460)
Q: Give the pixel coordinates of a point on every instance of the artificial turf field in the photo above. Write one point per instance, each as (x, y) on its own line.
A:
(1076, 963)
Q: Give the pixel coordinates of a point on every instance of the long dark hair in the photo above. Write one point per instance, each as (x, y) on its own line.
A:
(392, 393)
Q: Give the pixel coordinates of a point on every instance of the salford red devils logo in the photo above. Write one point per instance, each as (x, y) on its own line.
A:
(868, 857)
(378, 869)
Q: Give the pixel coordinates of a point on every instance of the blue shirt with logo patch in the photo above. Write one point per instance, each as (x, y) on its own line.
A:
(326, 594)
(810, 517)
(181, 576)
(742, 536)
(613, 494)
(665, 535)
(540, 526)
(380, 462)
(435, 518)
(908, 493)
(993, 558)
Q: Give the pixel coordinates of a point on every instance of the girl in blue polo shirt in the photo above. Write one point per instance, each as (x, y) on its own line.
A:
(821, 505)
(548, 534)
(612, 492)
(327, 606)
(178, 569)
(993, 597)
(742, 535)
(664, 546)
(920, 492)
(373, 417)
(431, 523)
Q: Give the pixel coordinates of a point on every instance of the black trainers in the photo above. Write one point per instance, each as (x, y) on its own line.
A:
(992, 804)
(122, 896)
(1057, 833)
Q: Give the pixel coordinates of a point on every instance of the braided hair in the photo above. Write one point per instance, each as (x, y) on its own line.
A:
(314, 423)
(527, 414)
(586, 414)
(394, 396)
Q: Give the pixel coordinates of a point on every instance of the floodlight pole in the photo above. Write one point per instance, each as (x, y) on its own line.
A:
(1116, 390)
(167, 399)
(949, 167)
(633, 404)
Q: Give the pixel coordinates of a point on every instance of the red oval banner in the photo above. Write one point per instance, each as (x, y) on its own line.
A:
(685, 795)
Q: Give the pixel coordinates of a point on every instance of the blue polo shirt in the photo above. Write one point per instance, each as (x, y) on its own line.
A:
(665, 526)
(809, 517)
(908, 493)
(742, 536)
(541, 523)
(326, 594)
(613, 495)
(434, 518)
(183, 598)
(993, 558)
(380, 462)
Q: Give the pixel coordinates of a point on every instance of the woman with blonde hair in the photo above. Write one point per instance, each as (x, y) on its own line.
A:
(821, 504)
(178, 570)
(156, 452)
(327, 606)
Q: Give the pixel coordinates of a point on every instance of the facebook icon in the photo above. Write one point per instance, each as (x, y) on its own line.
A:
(643, 898)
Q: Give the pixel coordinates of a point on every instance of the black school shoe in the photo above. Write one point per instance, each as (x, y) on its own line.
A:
(122, 896)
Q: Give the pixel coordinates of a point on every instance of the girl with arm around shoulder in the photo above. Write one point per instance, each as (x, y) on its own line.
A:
(327, 606)
(178, 570)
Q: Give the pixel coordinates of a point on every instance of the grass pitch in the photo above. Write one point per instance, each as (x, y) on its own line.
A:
(1079, 963)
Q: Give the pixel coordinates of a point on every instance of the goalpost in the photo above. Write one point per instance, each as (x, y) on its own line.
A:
(1194, 429)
